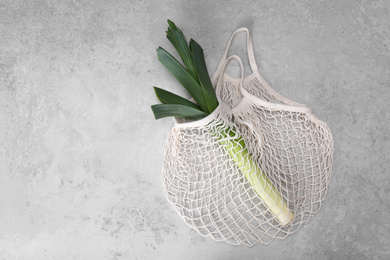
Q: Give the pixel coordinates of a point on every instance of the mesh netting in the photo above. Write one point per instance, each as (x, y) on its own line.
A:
(208, 189)
(249, 174)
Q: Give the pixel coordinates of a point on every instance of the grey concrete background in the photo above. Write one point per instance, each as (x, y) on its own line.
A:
(81, 154)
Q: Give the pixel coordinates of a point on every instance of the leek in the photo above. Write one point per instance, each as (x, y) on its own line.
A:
(195, 79)
(237, 150)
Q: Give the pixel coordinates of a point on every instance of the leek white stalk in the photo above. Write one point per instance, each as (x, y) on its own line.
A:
(237, 150)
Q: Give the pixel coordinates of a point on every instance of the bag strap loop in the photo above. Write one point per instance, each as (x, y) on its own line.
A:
(220, 78)
(251, 54)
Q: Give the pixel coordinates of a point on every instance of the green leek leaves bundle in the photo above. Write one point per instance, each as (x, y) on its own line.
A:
(195, 79)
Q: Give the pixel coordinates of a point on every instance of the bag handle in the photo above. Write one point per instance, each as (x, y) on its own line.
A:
(249, 44)
(256, 133)
(220, 78)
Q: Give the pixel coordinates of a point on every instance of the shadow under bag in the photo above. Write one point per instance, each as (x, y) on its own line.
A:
(255, 169)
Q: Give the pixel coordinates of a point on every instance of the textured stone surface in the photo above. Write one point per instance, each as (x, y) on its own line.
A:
(81, 154)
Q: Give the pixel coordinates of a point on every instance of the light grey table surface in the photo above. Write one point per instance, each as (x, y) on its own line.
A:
(81, 154)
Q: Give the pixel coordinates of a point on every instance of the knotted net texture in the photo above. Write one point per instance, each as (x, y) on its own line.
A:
(208, 186)
(250, 174)
(295, 149)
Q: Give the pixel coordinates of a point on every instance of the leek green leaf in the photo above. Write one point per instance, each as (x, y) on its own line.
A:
(182, 75)
(185, 53)
(179, 41)
(171, 38)
(167, 97)
(166, 110)
(204, 78)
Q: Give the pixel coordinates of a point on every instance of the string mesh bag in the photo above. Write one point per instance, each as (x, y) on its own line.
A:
(288, 142)
(213, 180)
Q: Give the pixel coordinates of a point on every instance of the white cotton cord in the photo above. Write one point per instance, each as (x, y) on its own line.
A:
(254, 170)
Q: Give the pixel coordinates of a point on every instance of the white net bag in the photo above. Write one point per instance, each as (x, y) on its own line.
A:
(256, 169)
(297, 147)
